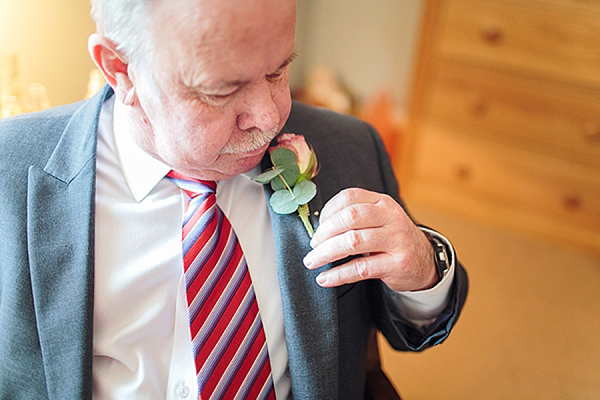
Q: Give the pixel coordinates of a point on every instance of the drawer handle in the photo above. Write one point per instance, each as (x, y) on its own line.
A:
(492, 35)
(463, 173)
(591, 133)
(572, 202)
(480, 107)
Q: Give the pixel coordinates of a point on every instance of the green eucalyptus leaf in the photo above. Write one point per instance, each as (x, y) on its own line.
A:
(282, 157)
(283, 202)
(304, 192)
(290, 173)
(268, 175)
(277, 184)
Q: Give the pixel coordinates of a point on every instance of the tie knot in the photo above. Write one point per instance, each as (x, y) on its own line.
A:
(192, 186)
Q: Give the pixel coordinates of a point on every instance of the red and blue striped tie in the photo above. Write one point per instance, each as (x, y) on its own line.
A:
(228, 339)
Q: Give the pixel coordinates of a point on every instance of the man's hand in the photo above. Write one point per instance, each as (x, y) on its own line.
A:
(393, 248)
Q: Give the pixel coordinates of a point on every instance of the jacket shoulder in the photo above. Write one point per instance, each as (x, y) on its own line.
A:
(30, 138)
(60, 140)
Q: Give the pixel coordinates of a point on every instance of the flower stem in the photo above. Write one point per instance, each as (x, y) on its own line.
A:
(287, 186)
(304, 212)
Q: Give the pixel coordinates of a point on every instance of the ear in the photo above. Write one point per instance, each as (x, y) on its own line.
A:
(112, 65)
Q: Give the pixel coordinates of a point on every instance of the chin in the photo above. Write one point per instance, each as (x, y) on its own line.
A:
(246, 164)
(232, 168)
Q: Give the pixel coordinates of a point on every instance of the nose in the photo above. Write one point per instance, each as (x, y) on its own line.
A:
(259, 107)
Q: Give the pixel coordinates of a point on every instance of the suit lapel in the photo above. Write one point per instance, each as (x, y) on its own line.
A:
(60, 215)
(310, 312)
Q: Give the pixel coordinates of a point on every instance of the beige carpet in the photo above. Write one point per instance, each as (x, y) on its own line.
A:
(530, 328)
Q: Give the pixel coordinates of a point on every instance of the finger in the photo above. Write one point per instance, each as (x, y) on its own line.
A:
(378, 266)
(345, 198)
(353, 217)
(358, 269)
(349, 243)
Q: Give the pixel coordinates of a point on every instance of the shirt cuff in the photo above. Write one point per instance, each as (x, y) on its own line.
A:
(424, 306)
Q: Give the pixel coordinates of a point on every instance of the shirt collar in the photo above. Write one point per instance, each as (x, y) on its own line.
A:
(142, 172)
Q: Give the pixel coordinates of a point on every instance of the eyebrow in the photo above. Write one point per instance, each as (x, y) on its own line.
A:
(289, 60)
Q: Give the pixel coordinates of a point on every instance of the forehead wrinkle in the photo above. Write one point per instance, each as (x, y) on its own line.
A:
(200, 44)
(176, 25)
(196, 41)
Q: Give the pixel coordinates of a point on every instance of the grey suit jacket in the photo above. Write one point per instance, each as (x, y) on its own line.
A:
(47, 183)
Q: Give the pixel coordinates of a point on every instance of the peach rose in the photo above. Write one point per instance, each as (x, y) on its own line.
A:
(307, 161)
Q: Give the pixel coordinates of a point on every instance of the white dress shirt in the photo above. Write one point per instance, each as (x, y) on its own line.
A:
(142, 346)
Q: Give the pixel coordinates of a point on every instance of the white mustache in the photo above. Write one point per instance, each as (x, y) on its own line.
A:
(252, 140)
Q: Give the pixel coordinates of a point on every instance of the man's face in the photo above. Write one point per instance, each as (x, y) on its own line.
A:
(217, 92)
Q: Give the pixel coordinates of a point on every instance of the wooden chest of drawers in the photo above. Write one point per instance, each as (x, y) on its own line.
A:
(505, 115)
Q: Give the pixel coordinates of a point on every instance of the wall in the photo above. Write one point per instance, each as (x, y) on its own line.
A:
(370, 44)
(50, 39)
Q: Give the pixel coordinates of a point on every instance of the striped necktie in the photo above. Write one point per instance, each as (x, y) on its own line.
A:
(228, 339)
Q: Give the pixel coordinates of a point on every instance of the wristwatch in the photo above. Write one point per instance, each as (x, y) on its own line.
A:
(440, 256)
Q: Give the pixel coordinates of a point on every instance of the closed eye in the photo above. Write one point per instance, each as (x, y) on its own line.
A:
(276, 75)
(215, 98)
(220, 96)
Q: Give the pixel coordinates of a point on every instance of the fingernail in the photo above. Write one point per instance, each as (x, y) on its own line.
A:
(322, 279)
(308, 262)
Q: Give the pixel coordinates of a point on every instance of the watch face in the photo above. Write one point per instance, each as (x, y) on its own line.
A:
(441, 258)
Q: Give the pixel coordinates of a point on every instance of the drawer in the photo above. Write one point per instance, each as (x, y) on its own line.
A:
(509, 183)
(545, 116)
(537, 36)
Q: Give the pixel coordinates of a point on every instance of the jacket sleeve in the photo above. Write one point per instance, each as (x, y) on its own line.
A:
(400, 332)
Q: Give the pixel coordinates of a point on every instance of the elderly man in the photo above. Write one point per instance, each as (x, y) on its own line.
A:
(99, 297)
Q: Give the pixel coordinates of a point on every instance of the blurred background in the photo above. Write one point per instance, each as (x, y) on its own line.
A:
(490, 110)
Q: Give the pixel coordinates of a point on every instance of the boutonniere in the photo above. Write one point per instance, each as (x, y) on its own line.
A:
(294, 165)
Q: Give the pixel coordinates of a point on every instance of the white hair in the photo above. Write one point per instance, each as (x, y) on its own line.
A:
(128, 23)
